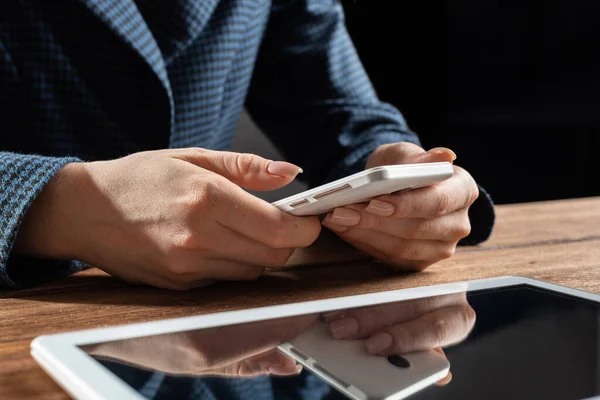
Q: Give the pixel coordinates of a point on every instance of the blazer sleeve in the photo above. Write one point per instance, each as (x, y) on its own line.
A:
(312, 97)
(22, 178)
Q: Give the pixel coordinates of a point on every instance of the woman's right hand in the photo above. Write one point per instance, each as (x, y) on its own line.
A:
(169, 218)
(242, 350)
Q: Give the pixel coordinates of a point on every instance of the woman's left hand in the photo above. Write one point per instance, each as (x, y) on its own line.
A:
(414, 229)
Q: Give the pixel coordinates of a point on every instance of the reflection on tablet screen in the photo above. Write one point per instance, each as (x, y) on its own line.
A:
(526, 342)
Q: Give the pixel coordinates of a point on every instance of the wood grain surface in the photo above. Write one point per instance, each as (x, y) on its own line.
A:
(558, 242)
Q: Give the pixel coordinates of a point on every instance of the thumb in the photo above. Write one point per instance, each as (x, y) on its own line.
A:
(408, 153)
(437, 154)
(440, 154)
(246, 170)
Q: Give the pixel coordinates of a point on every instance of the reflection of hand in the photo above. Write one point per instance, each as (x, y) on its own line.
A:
(414, 229)
(406, 327)
(238, 350)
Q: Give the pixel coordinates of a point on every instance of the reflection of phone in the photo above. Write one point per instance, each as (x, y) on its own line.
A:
(347, 366)
(365, 185)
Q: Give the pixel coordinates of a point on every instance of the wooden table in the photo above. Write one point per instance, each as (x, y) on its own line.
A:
(557, 242)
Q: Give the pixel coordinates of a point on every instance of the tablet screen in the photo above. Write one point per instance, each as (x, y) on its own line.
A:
(525, 342)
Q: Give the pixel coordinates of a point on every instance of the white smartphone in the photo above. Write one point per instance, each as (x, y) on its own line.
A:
(365, 185)
(346, 365)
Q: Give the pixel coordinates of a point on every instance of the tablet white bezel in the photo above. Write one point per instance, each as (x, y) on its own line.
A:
(84, 378)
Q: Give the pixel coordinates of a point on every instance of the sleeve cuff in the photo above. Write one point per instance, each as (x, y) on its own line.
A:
(482, 217)
(22, 178)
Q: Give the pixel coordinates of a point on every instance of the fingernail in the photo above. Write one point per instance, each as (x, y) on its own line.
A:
(381, 208)
(442, 151)
(343, 328)
(283, 169)
(336, 228)
(284, 369)
(345, 217)
(378, 342)
(330, 316)
(445, 381)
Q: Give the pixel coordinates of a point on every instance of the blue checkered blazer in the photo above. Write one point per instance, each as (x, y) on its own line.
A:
(84, 80)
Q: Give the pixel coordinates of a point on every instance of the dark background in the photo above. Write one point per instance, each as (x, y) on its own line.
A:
(511, 86)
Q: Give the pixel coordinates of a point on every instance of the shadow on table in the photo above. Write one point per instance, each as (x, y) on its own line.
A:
(299, 283)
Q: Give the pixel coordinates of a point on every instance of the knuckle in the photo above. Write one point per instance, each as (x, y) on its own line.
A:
(474, 192)
(443, 204)
(201, 193)
(367, 323)
(468, 314)
(447, 252)
(185, 239)
(381, 155)
(405, 205)
(418, 308)
(198, 151)
(245, 162)
(420, 229)
(406, 251)
(440, 330)
(403, 338)
(464, 229)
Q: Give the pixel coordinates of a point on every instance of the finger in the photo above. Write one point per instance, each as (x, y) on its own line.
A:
(223, 243)
(439, 328)
(187, 271)
(398, 252)
(225, 345)
(458, 192)
(360, 323)
(451, 227)
(408, 153)
(271, 362)
(446, 380)
(256, 219)
(441, 154)
(246, 170)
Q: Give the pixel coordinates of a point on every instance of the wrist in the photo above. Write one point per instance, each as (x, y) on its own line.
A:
(50, 227)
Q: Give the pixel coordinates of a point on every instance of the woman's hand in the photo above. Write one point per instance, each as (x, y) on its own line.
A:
(169, 218)
(414, 229)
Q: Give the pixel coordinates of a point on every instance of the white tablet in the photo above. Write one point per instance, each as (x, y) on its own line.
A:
(530, 339)
(365, 185)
